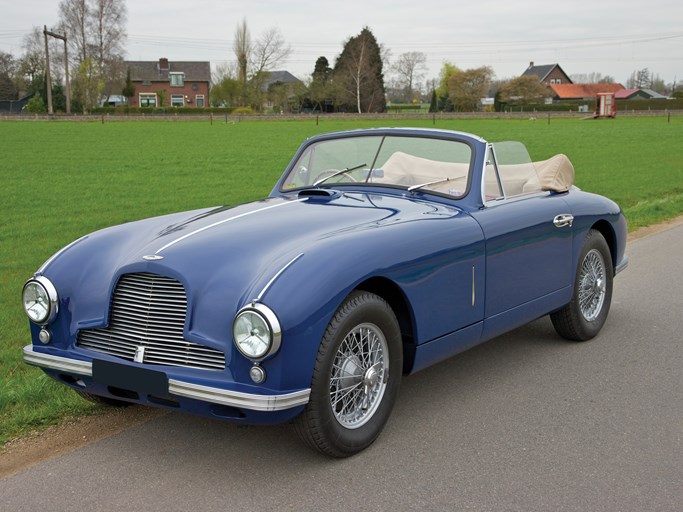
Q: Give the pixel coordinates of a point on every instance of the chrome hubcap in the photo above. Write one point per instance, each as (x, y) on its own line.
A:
(592, 285)
(359, 376)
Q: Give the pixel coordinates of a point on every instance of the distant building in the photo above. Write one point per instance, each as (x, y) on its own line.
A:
(582, 91)
(548, 74)
(280, 87)
(639, 94)
(178, 84)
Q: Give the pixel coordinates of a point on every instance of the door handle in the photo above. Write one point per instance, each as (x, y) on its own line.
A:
(563, 220)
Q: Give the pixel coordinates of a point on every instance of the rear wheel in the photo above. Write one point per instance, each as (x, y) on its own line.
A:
(355, 379)
(584, 316)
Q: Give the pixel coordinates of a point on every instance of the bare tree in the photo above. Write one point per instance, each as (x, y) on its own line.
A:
(410, 68)
(242, 49)
(108, 24)
(73, 18)
(269, 50)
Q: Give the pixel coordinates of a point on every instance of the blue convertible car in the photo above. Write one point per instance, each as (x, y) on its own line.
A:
(378, 253)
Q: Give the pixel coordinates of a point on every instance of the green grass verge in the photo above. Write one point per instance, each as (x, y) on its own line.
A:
(60, 180)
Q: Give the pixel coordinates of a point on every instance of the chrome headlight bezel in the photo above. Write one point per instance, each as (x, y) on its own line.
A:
(272, 324)
(44, 288)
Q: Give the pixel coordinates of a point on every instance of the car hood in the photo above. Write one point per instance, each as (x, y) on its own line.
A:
(225, 256)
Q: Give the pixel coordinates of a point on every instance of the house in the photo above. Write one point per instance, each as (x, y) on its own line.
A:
(582, 91)
(280, 88)
(279, 78)
(548, 74)
(176, 84)
(639, 94)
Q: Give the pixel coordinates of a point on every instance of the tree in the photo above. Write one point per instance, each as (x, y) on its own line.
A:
(432, 103)
(443, 101)
(410, 68)
(242, 49)
(467, 88)
(96, 29)
(73, 18)
(8, 70)
(320, 90)
(639, 79)
(592, 78)
(88, 84)
(269, 50)
(358, 71)
(128, 89)
(523, 90)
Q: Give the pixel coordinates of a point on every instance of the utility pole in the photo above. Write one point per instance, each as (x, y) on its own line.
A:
(48, 81)
(46, 33)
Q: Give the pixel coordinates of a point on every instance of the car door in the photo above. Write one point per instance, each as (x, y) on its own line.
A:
(528, 243)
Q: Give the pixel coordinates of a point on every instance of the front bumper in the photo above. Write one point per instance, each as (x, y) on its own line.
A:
(249, 401)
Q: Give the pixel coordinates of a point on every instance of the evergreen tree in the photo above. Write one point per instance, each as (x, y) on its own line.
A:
(358, 73)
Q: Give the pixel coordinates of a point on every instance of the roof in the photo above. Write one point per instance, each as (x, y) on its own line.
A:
(282, 77)
(195, 71)
(543, 71)
(580, 91)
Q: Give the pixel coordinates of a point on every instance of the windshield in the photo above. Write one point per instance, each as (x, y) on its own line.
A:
(516, 172)
(413, 163)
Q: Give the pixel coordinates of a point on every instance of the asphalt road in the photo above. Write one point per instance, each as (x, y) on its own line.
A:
(524, 422)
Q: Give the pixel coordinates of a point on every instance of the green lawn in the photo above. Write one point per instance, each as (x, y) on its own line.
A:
(60, 180)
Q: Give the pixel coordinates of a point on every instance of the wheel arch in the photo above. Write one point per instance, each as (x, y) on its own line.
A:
(392, 293)
(606, 230)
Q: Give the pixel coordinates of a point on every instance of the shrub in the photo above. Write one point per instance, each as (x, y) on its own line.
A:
(36, 105)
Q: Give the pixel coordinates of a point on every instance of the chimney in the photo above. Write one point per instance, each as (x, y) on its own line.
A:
(163, 64)
(531, 64)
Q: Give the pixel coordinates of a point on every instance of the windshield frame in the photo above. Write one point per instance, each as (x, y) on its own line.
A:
(382, 136)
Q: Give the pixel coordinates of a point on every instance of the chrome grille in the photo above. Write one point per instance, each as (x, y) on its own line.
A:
(146, 325)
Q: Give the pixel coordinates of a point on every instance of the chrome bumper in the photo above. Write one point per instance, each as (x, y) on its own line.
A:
(221, 396)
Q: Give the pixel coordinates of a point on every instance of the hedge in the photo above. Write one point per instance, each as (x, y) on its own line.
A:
(123, 110)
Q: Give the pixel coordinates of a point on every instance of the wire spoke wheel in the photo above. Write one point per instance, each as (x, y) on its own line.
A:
(592, 286)
(359, 375)
(355, 379)
(584, 316)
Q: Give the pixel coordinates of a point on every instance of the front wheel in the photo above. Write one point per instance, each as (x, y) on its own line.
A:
(356, 377)
(584, 316)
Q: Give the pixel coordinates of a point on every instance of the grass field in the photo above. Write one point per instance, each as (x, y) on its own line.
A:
(60, 180)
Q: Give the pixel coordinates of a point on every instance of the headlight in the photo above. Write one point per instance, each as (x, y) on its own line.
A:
(40, 300)
(256, 332)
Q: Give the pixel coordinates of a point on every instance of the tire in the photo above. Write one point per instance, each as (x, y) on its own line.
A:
(584, 316)
(102, 400)
(361, 353)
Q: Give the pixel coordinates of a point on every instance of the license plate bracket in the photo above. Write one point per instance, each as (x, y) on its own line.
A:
(131, 378)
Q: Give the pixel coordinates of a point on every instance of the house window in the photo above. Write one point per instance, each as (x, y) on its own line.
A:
(199, 100)
(177, 100)
(177, 79)
(148, 100)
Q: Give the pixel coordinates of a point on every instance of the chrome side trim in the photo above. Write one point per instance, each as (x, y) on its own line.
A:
(176, 387)
(237, 399)
(274, 278)
(196, 231)
(64, 364)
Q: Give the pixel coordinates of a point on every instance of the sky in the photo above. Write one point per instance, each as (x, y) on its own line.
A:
(610, 37)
